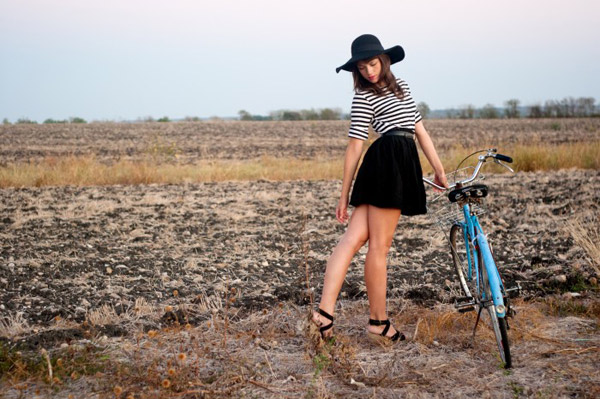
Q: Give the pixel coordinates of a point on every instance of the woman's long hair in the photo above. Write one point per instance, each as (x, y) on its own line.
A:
(387, 77)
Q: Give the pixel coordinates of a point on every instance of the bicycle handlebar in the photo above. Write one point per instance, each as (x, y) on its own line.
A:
(491, 153)
(504, 158)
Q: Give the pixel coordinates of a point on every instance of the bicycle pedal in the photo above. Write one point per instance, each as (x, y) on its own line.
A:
(517, 290)
(464, 299)
(465, 307)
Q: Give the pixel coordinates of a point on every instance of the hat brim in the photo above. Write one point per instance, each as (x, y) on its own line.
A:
(395, 53)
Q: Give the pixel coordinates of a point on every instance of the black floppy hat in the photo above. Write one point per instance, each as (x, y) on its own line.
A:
(368, 46)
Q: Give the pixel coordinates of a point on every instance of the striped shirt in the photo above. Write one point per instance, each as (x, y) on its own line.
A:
(384, 113)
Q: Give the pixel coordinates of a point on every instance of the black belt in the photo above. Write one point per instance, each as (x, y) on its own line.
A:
(400, 132)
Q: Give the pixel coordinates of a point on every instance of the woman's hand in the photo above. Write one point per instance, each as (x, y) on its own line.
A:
(440, 179)
(341, 211)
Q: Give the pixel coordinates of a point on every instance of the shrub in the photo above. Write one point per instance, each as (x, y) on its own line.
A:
(424, 109)
(535, 111)
(328, 114)
(291, 116)
(245, 115)
(192, 119)
(512, 108)
(467, 112)
(25, 120)
(488, 112)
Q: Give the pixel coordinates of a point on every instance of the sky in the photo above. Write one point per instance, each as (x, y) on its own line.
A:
(129, 59)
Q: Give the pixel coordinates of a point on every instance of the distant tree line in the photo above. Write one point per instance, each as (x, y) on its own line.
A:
(20, 121)
(568, 107)
(323, 114)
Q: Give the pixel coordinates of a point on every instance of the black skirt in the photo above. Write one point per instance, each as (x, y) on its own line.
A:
(391, 177)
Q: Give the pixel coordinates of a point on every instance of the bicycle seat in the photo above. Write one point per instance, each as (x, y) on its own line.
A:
(474, 191)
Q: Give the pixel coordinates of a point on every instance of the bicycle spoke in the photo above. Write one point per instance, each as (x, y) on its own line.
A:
(458, 250)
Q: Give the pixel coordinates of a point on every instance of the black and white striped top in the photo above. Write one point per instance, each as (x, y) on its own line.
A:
(384, 113)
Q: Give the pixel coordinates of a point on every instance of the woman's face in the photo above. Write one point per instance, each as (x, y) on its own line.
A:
(370, 69)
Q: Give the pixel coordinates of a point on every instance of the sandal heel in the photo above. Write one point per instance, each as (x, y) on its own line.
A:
(382, 338)
(320, 329)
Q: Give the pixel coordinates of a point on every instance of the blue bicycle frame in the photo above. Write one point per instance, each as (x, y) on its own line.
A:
(472, 228)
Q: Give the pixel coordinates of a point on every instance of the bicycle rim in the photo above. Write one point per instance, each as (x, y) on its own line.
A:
(458, 249)
(498, 324)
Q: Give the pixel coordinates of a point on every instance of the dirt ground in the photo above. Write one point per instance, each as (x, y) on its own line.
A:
(234, 261)
(68, 250)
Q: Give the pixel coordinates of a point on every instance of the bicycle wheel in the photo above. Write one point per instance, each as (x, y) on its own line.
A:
(458, 249)
(498, 324)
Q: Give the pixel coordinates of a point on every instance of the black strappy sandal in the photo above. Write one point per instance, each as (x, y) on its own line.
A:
(382, 338)
(320, 326)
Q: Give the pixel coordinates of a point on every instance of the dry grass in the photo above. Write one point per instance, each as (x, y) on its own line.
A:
(269, 354)
(529, 157)
(587, 236)
(87, 170)
(13, 326)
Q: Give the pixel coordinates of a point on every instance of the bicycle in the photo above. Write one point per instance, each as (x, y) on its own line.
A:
(472, 254)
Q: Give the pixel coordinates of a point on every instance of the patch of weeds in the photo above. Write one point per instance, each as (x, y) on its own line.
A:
(5, 359)
(545, 393)
(577, 283)
(501, 364)
(517, 389)
(572, 307)
(17, 366)
(159, 150)
(52, 367)
(321, 361)
(555, 126)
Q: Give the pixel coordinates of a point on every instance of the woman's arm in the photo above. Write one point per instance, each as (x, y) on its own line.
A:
(353, 153)
(431, 154)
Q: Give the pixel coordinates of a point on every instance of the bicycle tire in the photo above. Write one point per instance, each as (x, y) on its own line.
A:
(458, 250)
(499, 325)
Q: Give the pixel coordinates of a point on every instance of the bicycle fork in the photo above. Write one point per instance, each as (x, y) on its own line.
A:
(493, 280)
(492, 275)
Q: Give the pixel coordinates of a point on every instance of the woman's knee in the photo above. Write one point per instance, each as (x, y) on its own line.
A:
(380, 247)
(354, 242)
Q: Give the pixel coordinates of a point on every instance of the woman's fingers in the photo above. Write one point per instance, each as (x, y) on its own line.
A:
(341, 214)
(341, 211)
(440, 180)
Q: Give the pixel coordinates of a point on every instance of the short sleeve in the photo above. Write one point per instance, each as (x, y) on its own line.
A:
(418, 117)
(407, 93)
(361, 115)
(405, 89)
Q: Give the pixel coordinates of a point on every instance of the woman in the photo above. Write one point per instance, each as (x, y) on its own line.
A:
(388, 183)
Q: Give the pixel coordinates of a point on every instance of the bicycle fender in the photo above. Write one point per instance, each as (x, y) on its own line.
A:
(492, 272)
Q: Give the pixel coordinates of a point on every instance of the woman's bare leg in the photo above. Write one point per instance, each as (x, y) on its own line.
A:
(382, 224)
(337, 265)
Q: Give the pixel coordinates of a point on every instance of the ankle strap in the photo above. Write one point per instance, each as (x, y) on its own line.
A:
(325, 314)
(385, 323)
(379, 322)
